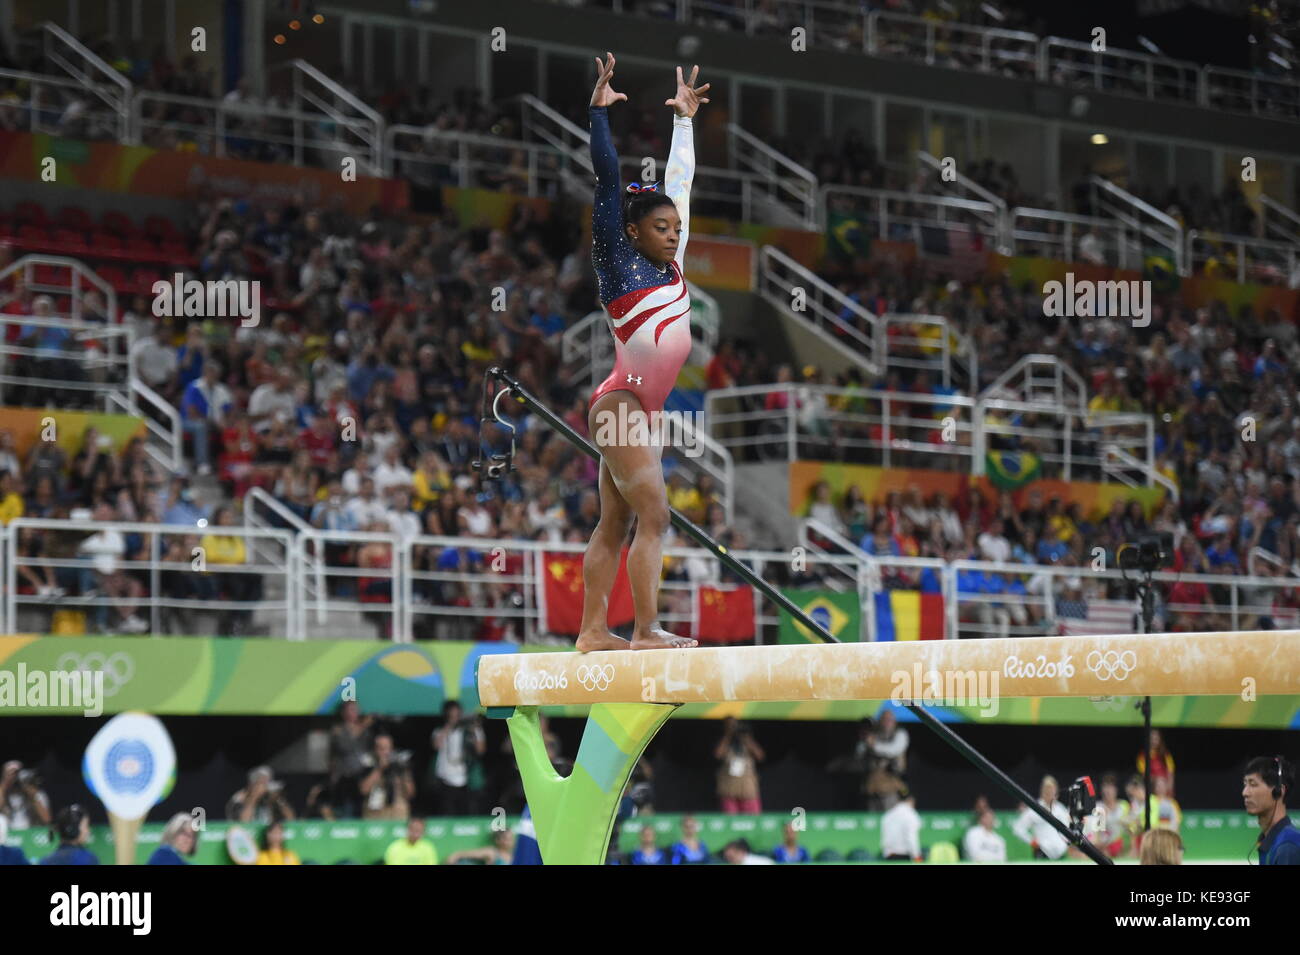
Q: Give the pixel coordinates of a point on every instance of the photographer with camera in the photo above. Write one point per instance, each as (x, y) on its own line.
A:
(261, 801)
(738, 754)
(22, 800)
(460, 745)
(351, 740)
(388, 788)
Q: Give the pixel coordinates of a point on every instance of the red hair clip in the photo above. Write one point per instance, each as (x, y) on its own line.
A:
(637, 187)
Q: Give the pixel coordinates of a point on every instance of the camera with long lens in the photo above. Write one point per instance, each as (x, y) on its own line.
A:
(1148, 553)
(1080, 800)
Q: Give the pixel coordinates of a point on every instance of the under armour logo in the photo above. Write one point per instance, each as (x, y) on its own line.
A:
(631, 378)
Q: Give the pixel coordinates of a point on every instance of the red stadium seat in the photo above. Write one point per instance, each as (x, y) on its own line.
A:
(119, 224)
(75, 217)
(31, 213)
(115, 277)
(162, 228)
(143, 280)
(70, 241)
(106, 244)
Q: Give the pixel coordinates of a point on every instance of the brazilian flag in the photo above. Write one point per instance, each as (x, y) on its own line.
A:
(1159, 271)
(846, 236)
(1008, 470)
(838, 613)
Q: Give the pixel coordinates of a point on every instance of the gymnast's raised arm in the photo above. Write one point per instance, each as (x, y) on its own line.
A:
(606, 208)
(681, 155)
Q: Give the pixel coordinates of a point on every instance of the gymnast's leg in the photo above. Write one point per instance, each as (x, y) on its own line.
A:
(600, 566)
(636, 473)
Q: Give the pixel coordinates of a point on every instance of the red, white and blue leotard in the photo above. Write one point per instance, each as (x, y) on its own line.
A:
(648, 308)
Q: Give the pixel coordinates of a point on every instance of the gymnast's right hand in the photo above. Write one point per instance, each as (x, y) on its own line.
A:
(603, 94)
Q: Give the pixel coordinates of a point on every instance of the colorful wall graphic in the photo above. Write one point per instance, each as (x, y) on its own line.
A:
(69, 428)
(1093, 499)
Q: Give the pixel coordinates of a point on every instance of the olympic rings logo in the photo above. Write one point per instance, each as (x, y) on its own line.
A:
(1111, 665)
(597, 677)
(118, 668)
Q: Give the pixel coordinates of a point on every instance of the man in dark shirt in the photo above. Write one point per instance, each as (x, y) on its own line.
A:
(1266, 784)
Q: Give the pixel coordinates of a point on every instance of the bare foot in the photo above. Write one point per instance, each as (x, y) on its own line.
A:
(656, 639)
(601, 639)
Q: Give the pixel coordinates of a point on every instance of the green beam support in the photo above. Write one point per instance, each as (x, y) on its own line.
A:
(574, 817)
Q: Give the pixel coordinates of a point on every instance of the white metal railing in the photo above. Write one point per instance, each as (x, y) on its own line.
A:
(1243, 258)
(891, 214)
(952, 44)
(94, 75)
(164, 438)
(1041, 379)
(1076, 63)
(59, 106)
(784, 183)
(929, 343)
(1271, 96)
(1155, 226)
(181, 578)
(1069, 439)
(433, 157)
(1258, 554)
(996, 223)
(796, 291)
(887, 427)
(1074, 238)
(1121, 465)
(312, 581)
(864, 425)
(1280, 221)
(427, 597)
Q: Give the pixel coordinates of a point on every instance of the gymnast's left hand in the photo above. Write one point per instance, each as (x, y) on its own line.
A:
(689, 97)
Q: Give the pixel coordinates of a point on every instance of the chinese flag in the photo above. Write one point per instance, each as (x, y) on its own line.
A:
(564, 592)
(726, 616)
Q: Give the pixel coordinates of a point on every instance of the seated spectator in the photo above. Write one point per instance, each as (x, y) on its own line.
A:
(274, 850)
(413, 848)
(1161, 847)
(647, 853)
(900, 830)
(228, 550)
(9, 855)
(689, 849)
(11, 500)
(180, 839)
(981, 843)
(105, 549)
(501, 852)
(789, 850)
(738, 852)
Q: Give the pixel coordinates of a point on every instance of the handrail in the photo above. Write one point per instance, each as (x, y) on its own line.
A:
(970, 185)
(1246, 243)
(1272, 205)
(1062, 374)
(1153, 476)
(1259, 553)
(867, 354)
(341, 96)
(799, 184)
(51, 34)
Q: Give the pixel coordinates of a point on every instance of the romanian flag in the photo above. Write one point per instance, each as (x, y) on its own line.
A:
(562, 590)
(909, 615)
(726, 615)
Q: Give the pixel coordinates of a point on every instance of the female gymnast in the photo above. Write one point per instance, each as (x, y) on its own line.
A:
(638, 243)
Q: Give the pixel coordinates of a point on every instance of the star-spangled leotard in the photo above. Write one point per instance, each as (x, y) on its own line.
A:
(648, 308)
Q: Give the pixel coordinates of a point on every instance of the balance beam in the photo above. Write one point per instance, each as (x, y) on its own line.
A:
(633, 692)
(1181, 664)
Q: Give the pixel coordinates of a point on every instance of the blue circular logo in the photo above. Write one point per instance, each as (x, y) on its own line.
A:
(822, 617)
(129, 766)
